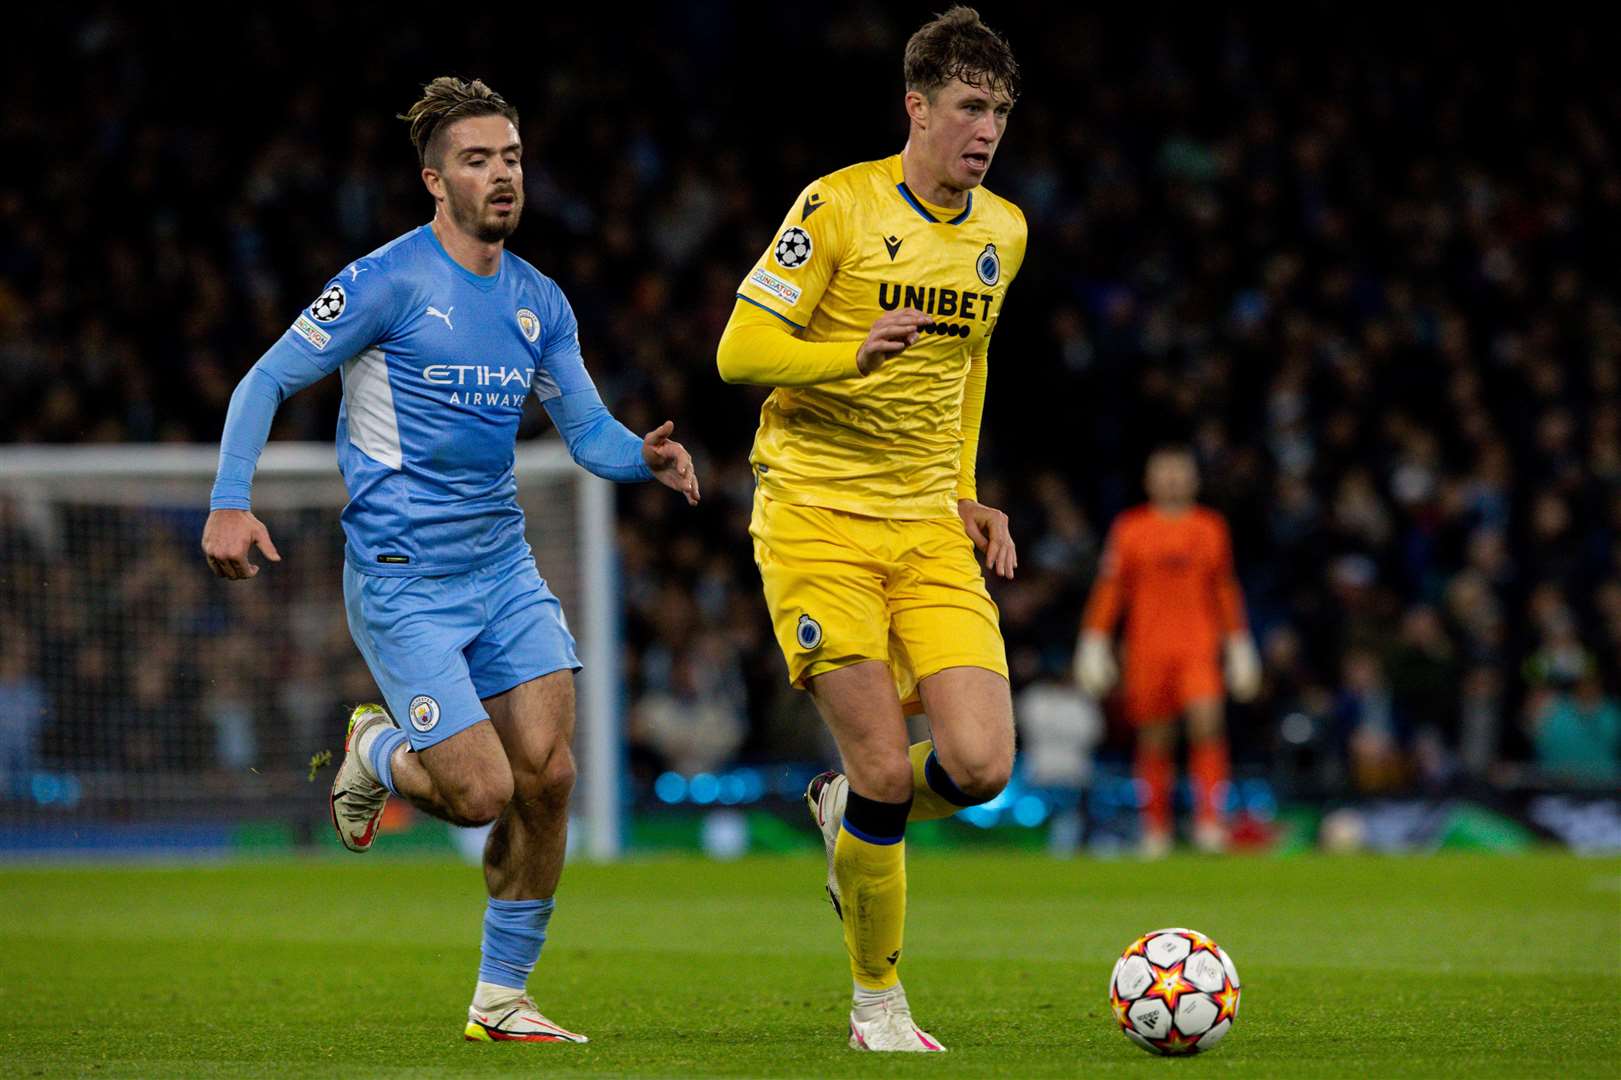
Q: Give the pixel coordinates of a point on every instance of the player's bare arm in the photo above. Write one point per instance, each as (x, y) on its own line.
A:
(987, 527)
(889, 337)
(670, 462)
(228, 536)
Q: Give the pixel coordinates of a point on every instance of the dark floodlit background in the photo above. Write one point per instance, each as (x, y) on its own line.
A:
(1361, 258)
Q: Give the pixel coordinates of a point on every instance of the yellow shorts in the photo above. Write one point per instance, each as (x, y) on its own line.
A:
(843, 588)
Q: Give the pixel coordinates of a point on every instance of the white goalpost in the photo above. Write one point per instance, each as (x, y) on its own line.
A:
(136, 689)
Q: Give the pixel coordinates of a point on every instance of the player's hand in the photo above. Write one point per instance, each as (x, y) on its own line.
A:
(891, 334)
(1095, 670)
(670, 462)
(227, 537)
(987, 528)
(1243, 668)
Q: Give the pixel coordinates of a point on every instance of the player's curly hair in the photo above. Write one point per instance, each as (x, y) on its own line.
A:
(957, 45)
(444, 101)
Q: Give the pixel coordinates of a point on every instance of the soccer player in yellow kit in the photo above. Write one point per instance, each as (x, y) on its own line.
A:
(871, 314)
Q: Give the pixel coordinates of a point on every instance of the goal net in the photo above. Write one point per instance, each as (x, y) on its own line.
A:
(146, 703)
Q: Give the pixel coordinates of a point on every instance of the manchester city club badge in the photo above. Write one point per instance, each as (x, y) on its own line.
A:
(424, 712)
(529, 323)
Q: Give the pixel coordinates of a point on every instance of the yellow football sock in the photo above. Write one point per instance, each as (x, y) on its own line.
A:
(872, 888)
(927, 803)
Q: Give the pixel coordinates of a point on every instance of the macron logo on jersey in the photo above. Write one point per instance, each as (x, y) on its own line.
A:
(497, 386)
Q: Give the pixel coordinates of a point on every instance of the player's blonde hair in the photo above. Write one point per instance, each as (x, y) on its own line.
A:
(444, 101)
(957, 45)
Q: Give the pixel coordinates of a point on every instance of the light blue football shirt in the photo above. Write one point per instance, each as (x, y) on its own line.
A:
(436, 364)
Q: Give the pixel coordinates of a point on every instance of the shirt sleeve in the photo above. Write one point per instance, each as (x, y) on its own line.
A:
(1109, 590)
(758, 347)
(973, 399)
(351, 314)
(596, 441)
(793, 273)
(1229, 597)
(358, 309)
(973, 410)
(1013, 258)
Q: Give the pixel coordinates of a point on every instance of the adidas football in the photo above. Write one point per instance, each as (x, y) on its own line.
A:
(1174, 992)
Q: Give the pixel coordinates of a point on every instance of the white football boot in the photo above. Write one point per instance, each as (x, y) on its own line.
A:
(1210, 837)
(826, 796)
(358, 797)
(1154, 845)
(887, 1025)
(517, 1020)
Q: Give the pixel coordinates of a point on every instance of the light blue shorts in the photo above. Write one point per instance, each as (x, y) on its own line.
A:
(437, 645)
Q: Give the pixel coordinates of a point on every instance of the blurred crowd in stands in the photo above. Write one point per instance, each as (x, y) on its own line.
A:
(1362, 260)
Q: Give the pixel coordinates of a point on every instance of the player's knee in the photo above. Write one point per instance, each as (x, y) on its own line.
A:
(480, 810)
(1158, 737)
(481, 802)
(558, 779)
(982, 781)
(887, 779)
(549, 784)
(1205, 725)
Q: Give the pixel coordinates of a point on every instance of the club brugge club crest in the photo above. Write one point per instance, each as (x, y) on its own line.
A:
(808, 633)
(989, 265)
(529, 324)
(424, 712)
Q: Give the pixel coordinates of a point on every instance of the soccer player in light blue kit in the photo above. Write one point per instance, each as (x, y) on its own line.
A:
(440, 335)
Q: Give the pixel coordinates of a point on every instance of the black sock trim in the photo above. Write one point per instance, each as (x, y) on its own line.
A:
(876, 822)
(941, 783)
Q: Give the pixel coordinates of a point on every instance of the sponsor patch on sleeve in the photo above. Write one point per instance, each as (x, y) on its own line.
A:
(765, 280)
(311, 333)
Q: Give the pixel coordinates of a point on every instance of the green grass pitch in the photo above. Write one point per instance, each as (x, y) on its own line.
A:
(355, 967)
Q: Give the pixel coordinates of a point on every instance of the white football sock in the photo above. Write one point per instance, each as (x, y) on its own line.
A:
(363, 750)
(488, 995)
(866, 998)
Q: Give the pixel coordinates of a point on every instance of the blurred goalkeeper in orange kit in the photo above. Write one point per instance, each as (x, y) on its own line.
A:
(1168, 567)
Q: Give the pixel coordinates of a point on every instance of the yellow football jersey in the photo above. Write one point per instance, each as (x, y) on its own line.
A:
(856, 244)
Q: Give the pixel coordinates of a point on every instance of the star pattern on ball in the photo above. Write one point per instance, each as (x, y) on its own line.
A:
(1119, 1008)
(1177, 1043)
(1199, 941)
(1180, 1007)
(1169, 986)
(1228, 1001)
